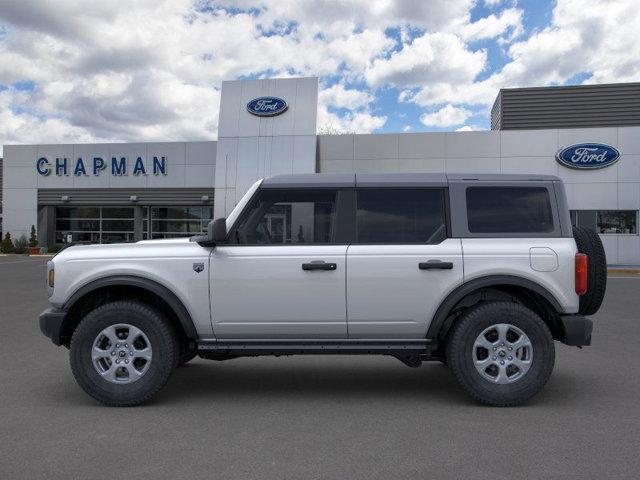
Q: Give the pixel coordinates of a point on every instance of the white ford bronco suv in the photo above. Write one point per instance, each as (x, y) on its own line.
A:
(481, 272)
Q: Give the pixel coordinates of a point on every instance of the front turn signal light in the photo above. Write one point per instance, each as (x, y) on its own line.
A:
(51, 278)
(582, 273)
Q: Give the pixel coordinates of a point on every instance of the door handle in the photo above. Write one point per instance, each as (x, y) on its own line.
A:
(319, 265)
(435, 265)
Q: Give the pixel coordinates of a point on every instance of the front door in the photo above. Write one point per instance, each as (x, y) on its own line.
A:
(402, 264)
(281, 274)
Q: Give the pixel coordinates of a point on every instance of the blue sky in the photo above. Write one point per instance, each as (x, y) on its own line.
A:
(77, 71)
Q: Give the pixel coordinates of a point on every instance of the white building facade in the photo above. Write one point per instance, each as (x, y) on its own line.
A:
(126, 192)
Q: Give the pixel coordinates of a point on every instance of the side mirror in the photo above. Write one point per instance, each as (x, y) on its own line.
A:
(217, 230)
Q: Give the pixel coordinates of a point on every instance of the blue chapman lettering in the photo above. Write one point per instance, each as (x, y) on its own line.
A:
(119, 166)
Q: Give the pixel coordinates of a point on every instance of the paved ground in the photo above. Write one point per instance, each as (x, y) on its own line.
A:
(316, 417)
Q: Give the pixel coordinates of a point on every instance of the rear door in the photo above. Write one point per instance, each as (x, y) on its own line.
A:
(402, 263)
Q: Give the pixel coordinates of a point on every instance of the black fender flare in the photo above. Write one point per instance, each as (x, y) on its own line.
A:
(467, 288)
(183, 315)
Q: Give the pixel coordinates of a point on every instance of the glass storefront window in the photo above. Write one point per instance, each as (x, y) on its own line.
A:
(621, 222)
(116, 224)
(94, 224)
(173, 222)
(617, 221)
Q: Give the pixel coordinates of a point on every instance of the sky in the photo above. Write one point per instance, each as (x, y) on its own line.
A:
(76, 71)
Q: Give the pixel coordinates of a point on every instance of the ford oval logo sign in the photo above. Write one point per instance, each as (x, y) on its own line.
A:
(267, 106)
(588, 156)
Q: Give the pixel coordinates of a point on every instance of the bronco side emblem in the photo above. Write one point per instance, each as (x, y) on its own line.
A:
(198, 267)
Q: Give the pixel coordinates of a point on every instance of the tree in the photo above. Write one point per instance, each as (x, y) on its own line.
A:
(20, 245)
(33, 239)
(7, 244)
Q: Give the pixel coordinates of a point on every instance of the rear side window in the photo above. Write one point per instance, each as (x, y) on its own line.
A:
(509, 210)
(388, 215)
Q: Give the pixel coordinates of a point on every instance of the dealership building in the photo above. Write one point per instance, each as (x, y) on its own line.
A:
(587, 135)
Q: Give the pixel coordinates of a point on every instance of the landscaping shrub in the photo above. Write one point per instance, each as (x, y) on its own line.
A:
(7, 244)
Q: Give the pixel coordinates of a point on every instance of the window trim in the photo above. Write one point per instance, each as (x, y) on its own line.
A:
(445, 205)
(460, 226)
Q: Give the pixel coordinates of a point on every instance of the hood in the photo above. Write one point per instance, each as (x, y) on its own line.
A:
(172, 247)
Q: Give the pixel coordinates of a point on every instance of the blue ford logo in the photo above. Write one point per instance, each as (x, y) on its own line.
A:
(588, 156)
(267, 106)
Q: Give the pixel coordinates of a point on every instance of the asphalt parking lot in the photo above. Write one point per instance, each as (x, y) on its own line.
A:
(316, 417)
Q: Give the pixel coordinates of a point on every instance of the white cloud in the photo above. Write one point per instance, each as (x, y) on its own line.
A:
(338, 96)
(469, 128)
(331, 16)
(407, 128)
(152, 70)
(447, 116)
(509, 20)
(582, 37)
(432, 57)
(358, 118)
(351, 122)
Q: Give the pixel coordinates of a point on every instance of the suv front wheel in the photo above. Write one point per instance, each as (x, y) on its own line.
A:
(123, 353)
(501, 353)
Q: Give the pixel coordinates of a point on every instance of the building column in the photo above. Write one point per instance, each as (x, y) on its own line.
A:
(46, 229)
(138, 215)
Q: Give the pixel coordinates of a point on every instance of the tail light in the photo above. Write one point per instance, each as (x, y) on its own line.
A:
(582, 273)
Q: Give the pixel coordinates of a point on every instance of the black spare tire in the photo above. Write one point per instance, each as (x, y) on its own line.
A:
(589, 243)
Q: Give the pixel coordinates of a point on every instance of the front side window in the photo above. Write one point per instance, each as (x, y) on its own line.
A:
(277, 217)
(389, 215)
(509, 210)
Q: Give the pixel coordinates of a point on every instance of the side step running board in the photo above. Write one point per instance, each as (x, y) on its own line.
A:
(314, 347)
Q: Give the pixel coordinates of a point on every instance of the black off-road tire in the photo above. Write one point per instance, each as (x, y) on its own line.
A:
(589, 243)
(460, 346)
(163, 342)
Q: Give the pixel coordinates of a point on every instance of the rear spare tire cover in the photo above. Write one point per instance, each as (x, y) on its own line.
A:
(589, 243)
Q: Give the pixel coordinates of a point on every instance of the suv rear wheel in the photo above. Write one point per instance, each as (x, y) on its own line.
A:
(501, 353)
(123, 353)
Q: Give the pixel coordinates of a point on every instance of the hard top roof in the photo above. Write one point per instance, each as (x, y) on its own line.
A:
(345, 180)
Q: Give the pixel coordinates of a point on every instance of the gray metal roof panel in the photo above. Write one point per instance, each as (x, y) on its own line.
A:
(346, 180)
(318, 180)
(401, 179)
(488, 177)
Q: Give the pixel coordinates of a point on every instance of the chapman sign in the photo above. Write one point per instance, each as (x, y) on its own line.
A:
(588, 156)
(117, 166)
(267, 106)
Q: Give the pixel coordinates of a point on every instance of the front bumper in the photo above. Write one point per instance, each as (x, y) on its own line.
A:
(577, 330)
(51, 321)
